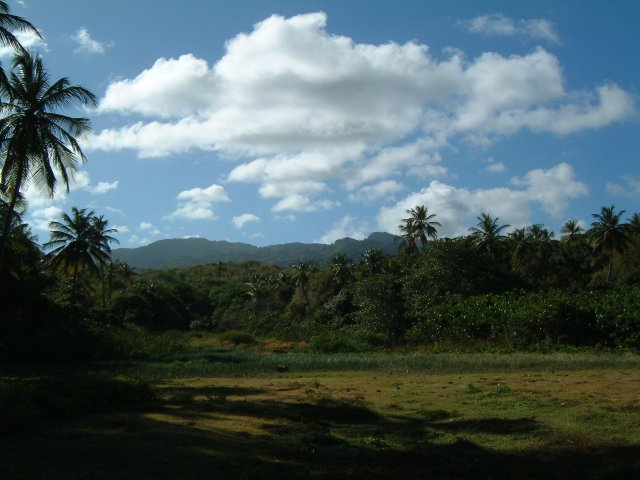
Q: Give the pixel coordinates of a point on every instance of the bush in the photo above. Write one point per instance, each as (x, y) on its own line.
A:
(609, 318)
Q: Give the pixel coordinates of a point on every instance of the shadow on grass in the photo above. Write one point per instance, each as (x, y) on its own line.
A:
(322, 439)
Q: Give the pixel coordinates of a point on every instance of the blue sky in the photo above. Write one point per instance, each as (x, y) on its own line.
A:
(269, 122)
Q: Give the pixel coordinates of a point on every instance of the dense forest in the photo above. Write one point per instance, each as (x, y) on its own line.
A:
(489, 289)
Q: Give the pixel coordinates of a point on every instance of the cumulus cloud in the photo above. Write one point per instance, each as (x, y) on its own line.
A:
(348, 226)
(86, 44)
(241, 220)
(552, 188)
(456, 208)
(300, 108)
(499, 25)
(197, 203)
(184, 86)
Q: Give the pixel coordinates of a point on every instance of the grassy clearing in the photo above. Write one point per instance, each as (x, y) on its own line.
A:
(217, 361)
(369, 416)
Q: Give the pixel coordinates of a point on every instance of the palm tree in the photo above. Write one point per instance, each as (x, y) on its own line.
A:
(101, 240)
(257, 288)
(36, 141)
(79, 243)
(373, 260)
(301, 277)
(608, 235)
(487, 235)
(634, 223)
(419, 226)
(571, 232)
(10, 22)
(118, 274)
(520, 245)
(341, 269)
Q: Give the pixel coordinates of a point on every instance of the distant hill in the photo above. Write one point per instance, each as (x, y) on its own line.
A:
(187, 252)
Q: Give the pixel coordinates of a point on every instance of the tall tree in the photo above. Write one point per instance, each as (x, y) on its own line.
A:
(634, 223)
(418, 227)
(10, 23)
(301, 277)
(36, 141)
(102, 239)
(609, 235)
(79, 243)
(487, 234)
(341, 268)
(571, 232)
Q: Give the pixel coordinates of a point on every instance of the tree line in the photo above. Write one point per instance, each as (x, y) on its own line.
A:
(518, 288)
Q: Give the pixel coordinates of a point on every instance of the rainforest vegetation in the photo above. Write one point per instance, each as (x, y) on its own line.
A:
(521, 289)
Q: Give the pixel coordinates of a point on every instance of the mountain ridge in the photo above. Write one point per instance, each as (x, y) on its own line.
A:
(188, 252)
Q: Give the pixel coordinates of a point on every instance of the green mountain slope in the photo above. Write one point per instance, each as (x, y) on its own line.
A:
(197, 251)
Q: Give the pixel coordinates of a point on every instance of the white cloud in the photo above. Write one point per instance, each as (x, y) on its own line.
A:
(348, 226)
(371, 193)
(302, 203)
(170, 88)
(197, 203)
(241, 220)
(630, 188)
(457, 208)
(86, 44)
(496, 167)
(300, 108)
(39, 218)
(136, 240)
(121, 228)
(104, 187)
(28, 40)
(553, 188)
(540, 29)
(42, 205)
(499, 25)
(149, 228)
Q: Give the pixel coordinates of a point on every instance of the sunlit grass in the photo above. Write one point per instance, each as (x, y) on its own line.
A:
(219, 361)
(223, 411)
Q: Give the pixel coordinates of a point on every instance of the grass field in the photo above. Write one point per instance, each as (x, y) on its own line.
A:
(228, 413)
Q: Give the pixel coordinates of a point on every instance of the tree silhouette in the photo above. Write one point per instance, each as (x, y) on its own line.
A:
(79, 243)
(418, 227)
(341, 268)
(10, 22)
(571, 232)
(487, 235)
(609, 235)
(36, 141)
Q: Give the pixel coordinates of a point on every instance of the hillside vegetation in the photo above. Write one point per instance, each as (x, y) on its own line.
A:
(486, 290)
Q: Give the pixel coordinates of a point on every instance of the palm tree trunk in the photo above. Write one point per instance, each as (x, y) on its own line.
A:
(74, 283)
(104, 293)
(7, 227)
(609, 269)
